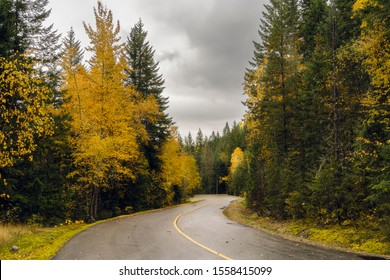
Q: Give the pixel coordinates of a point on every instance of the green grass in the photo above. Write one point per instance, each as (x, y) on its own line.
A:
(8, 232)
(366, 238)
(37, 243)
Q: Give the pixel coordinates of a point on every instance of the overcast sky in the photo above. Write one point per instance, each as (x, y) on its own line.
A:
(203, 47)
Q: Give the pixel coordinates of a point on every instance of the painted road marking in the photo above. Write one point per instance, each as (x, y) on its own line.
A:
(194, 241)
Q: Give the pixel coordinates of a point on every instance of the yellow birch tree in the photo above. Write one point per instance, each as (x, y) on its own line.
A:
(178, 170)
(106, 115)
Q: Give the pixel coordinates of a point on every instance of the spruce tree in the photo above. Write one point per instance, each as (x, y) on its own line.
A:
(72, 53)
(199, 143)
(14, 27)
(22, 28)
(7, 30)
(199, 140)
(273, 88)
(144, 77)
(189, 144)
(314, 16)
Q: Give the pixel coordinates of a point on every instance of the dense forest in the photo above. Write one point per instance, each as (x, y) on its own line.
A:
(82, 140)
(314, 143)
(92, 139)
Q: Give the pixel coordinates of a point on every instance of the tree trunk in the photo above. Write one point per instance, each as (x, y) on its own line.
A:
(93, 205)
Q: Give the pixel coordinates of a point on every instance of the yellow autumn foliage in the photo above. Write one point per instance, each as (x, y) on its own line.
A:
(363, 4)
(374, 46)
(24, 109)
(236, 159)
(107, 116)
(178, 169)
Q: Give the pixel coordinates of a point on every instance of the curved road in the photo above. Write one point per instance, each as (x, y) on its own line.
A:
(197, 231)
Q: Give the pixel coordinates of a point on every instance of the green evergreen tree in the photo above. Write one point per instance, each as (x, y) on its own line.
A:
(72, 52)
(335, 70)
(314, 15)
(22, 28)
(15, 32)
(207, 167)
(371, 157)
(189, 144)
(7, 30)
(199, 143)
(273, 88)
(144, 77)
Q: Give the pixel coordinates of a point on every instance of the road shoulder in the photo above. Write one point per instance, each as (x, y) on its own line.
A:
(294, 230)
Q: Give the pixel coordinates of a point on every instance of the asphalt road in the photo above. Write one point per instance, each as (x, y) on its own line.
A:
(197, 231)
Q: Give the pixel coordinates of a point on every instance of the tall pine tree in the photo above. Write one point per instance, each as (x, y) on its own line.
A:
(144, 77)
(272, 88)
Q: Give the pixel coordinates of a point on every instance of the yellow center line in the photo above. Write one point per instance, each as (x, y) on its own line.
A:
(196, 242)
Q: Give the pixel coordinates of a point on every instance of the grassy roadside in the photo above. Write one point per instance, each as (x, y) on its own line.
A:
(364, 240)
(37, 243)
(42, 243)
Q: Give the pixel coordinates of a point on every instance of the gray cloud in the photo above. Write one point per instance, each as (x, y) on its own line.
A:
(203, 47)
(167, 55)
